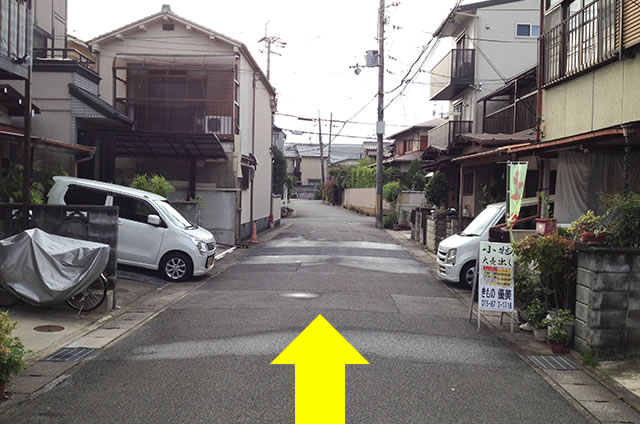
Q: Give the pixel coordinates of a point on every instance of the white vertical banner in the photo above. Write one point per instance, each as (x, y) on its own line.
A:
(495, 285)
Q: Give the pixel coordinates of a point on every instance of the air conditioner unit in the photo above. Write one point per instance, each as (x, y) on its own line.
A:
(218, 125)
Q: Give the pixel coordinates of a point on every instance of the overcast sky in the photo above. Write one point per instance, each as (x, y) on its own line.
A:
(324, 38)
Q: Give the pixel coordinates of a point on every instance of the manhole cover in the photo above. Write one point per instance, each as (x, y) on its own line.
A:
(550, 362)
(48, 328)
(68, 354)
(300, 295)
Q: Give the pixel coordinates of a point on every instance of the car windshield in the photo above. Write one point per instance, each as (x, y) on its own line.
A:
(481, 222)
(173, 215)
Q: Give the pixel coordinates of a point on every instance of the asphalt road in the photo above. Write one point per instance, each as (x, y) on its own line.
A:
(207, 358)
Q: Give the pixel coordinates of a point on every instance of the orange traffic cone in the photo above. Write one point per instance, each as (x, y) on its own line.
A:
(254, 235)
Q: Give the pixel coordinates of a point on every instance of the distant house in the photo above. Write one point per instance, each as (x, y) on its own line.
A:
(410, 144)
(370, 149)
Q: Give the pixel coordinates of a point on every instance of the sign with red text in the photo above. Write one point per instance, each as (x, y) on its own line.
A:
(495, 286)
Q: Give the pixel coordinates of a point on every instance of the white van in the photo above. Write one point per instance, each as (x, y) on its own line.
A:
(151, 234)
(457, 254)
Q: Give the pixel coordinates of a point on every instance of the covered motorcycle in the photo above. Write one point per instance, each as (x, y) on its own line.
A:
(43, 269)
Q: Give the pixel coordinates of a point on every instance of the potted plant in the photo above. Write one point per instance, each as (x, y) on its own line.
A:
(557, 338)
(546, 226)
(564, 319)
(11, 352)
(536, 313)
(588, 227)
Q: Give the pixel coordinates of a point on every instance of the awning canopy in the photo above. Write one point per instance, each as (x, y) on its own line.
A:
(16, 135)
(112, 116)
(171, 145)
(14, 101)
(488, 140)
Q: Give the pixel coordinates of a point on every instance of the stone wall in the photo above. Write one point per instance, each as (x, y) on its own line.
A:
(608, 301)
(188, 209)
(436, 231)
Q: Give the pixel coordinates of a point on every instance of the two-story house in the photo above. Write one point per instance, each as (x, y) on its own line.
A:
(203, 116)
(590, 109)
(409, 144)
(493, 42)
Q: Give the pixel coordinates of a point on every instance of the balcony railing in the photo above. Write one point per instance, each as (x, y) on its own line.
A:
(585, 40)
(454, 73)
(64, 55)
(447, 135)
(180, 116)
(503, 121)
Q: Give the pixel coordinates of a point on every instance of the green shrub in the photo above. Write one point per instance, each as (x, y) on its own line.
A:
(391, 174)
(318, 195)
(278, 170)
(391, 191)
(437, 189)
(557, 335)
(12, 350)
(589, 359)
(536, 313)
(622, 220)
(416, 177)
(152, 183)
(390, 219)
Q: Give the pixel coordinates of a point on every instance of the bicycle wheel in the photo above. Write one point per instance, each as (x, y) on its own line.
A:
(7, 298)
(91, 297)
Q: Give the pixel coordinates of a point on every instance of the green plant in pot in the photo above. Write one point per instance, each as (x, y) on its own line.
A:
(12, 352)
(557, 338)
(536, 313)
(588, 228)
(564, 319)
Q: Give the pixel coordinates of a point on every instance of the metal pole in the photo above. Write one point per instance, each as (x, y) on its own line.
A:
(26, 178)
(380, 123)
(330, 125)
(321, 148)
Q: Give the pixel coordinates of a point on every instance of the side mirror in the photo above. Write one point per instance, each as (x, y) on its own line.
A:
(153, 220)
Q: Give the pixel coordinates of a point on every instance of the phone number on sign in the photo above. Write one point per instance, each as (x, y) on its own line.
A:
(497, 304)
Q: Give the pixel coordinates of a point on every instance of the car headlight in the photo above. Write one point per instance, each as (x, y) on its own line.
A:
(451, 257)
(202, 246)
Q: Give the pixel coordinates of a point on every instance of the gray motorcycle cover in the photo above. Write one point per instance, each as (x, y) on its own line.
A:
(43, 269)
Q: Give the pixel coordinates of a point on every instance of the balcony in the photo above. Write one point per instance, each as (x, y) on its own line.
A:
(503, 121)
(15, 35)
(62, 56)
(453, 74)
(585, 40)
(447, 135)
(180, 116)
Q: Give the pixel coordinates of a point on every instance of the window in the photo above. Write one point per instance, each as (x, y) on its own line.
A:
(167, 27)
(133, 209)
(77, 195)
(527, 30)
(467, 188)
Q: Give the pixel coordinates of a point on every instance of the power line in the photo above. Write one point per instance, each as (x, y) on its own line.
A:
(335, 120)
(299, 132)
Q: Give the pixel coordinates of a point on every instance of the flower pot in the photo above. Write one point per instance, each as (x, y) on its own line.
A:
(546, 227)
(556, 347)
(540, 334)
(590, 237)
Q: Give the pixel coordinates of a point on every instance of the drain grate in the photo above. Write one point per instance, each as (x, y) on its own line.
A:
(551, 362)
(69, 354)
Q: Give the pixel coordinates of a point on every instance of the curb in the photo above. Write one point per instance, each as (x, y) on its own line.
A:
(9, 406)
(616, 389)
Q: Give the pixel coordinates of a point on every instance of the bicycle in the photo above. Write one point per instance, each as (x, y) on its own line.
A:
(86, 301)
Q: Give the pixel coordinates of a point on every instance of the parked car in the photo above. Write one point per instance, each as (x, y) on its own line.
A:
(457, 254)
(151, 235)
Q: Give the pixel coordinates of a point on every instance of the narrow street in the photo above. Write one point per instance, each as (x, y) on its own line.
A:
(207, 358)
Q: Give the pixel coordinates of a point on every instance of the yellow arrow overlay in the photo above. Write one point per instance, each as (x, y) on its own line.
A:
(320, 354)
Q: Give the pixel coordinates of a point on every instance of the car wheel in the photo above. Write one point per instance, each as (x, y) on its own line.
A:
(176, 266)
(468, 275)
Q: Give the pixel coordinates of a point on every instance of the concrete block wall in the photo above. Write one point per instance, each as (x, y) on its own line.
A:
(436, 231)
(608, 301)
(190, 210)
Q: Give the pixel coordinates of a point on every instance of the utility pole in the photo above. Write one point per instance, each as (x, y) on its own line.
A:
(380, 123)
(330, 126)
(271, 41)
(321, 148)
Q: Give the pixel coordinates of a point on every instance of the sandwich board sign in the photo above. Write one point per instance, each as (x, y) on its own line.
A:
(495, 279)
